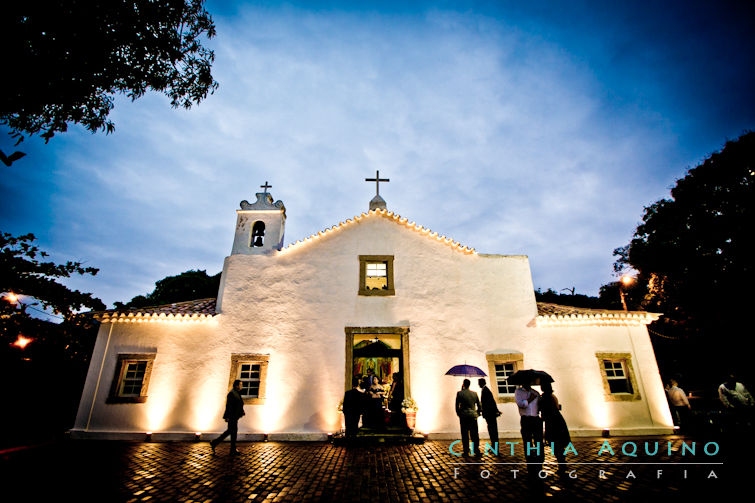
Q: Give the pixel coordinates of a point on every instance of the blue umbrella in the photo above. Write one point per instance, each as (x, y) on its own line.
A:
(466, 371)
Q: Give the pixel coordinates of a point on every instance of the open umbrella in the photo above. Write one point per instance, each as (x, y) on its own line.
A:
(466, 371)
(530, 376)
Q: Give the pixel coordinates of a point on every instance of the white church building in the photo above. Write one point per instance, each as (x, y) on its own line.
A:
(295, 322)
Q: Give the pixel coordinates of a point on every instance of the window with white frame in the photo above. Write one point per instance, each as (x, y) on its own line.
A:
(501, 366)
(251, 370)
(616, 375)
(131, 378)
(502, 371)
(249, 375)
(619, 382)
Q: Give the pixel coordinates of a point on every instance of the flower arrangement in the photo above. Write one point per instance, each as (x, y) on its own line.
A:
(409, 405)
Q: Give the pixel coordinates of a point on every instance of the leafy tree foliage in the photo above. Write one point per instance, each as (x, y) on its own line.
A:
(65, 60)
(189, 285)
(570, 299)
(694, 256)
(54, 361)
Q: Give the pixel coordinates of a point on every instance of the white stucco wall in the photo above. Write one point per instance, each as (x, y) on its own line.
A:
(295, 304)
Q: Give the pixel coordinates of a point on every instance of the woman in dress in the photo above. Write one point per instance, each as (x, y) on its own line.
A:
(377, 393)
(556, 431)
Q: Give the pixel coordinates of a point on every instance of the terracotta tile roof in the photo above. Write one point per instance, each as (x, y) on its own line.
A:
(555, 314)
(395, 217)
(189, 310)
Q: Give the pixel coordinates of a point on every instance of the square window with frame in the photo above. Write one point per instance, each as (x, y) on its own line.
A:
(251, 370)
(619, 383)
(501, 366)
(376, 275)
(131, 379)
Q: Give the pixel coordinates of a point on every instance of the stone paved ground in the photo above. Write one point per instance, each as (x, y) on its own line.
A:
(123, 471)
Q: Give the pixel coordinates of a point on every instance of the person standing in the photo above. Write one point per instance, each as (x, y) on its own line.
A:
(353, 406)
(234, 410)
(490, 412)
(531, 424)
(677, 398)
(556, 431)
(468, 409)
(734, 395)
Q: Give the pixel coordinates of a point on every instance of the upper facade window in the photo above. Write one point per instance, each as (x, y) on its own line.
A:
(619, 383)
(131, 379)
(376, 275)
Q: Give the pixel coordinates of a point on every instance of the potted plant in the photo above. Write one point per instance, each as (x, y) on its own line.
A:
(409, 408)
(343, 419)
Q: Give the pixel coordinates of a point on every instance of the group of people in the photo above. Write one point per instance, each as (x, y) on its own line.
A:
(535, 410)
(736, 402)
(369, 399)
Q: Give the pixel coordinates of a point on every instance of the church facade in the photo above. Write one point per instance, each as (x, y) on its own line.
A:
(373, 295)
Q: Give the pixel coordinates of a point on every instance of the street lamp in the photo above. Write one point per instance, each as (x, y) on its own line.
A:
(626, 280)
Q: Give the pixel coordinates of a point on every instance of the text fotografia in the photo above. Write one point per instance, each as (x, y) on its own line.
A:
(605, 455)
(629, 448)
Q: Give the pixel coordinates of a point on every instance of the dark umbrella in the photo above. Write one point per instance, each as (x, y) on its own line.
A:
(529, 376)
(466, 371)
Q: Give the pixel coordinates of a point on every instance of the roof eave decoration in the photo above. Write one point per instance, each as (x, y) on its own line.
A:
(593, 317)
(150, 317)
(201, 310)
(386, 214)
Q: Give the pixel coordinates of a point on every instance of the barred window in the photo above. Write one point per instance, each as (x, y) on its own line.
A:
(619, 383)
(249, 375)
(501, 366)
(502, 371)
(251, 370)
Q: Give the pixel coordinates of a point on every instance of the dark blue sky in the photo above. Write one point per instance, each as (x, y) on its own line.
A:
(514, 128)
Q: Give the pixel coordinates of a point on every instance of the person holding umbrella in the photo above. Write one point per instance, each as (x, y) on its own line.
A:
(531, 424)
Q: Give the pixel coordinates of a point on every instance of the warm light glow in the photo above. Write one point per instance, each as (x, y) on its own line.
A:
(22, 342)
(11, 297)
(627, 280)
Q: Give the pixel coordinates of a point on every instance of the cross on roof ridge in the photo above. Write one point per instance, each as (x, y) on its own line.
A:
(377, 181)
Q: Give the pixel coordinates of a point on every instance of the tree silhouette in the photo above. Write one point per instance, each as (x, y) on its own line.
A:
(40, 354)
(189, 285)
(693, 254)
(66, 60)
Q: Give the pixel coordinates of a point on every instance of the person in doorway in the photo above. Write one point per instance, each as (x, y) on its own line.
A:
(468, 409)
(556, 431)
(353, 407)
(234, 410)
(490, 413)
(376, 394)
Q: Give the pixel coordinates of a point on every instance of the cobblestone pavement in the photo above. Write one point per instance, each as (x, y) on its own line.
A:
(271, 471)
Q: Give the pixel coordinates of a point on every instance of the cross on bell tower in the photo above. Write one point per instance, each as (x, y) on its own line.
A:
(377, 202)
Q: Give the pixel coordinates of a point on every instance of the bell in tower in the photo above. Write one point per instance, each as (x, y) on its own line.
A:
(260, 225)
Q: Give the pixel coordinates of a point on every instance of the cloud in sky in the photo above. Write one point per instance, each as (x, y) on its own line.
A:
(512, 131)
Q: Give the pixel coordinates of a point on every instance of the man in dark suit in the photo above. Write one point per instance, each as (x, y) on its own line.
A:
(353, 405)
(234, 409)
(490, 412)
(468, 409)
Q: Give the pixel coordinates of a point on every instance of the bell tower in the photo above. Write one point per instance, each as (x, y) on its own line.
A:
(259, 226)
